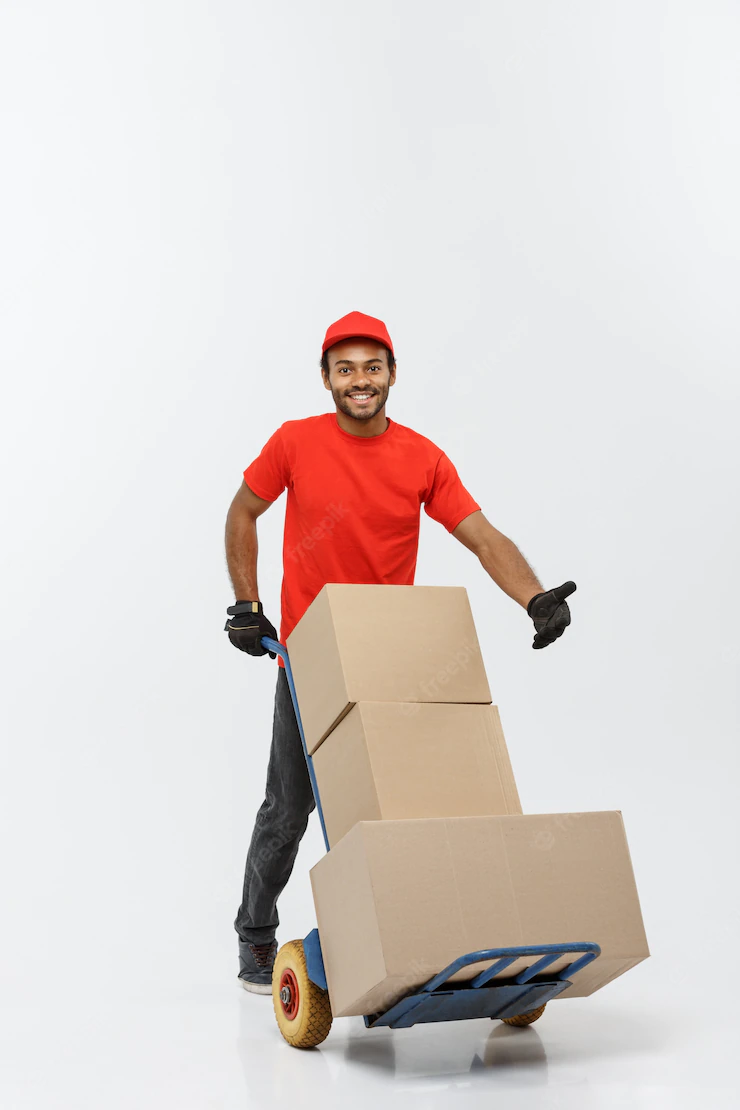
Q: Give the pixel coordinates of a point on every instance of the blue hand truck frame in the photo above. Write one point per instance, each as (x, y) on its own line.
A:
(477, 997)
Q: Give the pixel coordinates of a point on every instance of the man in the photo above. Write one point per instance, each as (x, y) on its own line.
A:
(356, 481)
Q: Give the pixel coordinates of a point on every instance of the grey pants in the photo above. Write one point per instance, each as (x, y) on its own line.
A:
(279, 826)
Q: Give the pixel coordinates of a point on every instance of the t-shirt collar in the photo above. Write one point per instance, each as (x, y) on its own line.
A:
(364, 440)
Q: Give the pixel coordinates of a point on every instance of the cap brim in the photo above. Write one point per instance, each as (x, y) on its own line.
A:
(355, 335)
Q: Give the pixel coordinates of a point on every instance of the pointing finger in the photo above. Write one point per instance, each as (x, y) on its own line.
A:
(561, 592)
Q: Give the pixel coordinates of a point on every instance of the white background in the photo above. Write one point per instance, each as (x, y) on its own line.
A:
(540, 200)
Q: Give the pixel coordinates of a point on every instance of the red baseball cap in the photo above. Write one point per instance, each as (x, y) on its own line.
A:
(356, 325)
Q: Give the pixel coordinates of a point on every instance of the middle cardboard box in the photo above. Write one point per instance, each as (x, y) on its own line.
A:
(392, 760)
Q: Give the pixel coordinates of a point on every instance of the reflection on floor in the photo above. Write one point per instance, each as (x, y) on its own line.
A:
(207, 1046)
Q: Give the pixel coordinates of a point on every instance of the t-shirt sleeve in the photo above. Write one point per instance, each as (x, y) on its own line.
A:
(448, 500)
(269, 474)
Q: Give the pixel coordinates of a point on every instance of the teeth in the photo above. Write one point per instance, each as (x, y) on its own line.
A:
(360, 396)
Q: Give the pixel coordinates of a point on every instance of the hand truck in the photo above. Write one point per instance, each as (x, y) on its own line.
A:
(299, 989)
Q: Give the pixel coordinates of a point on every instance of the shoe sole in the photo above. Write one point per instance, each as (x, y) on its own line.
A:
(256, 988)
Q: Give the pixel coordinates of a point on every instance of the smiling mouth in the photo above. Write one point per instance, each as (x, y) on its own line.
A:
(362, 398)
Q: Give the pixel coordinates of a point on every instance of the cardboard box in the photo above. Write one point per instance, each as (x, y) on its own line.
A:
(397, 901)
(383, 643)
(388, 760)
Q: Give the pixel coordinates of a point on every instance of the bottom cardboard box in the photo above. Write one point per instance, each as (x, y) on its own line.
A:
(396, 901)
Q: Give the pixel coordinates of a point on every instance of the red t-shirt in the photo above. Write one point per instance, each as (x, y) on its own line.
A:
(353, 506)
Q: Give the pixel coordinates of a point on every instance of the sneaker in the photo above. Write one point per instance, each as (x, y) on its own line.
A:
(255, 962)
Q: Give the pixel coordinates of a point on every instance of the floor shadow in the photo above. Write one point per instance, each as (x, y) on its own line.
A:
(372, 1048)
(508, 1048)
(446, 1049)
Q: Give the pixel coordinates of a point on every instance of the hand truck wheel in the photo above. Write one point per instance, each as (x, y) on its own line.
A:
(302, 1008)
(526, 1019)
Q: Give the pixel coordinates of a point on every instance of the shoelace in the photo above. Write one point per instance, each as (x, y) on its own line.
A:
(263, 953)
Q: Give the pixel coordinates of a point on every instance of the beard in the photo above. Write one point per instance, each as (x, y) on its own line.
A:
(361, 412)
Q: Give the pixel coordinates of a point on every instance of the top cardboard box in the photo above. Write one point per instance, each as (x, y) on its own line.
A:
(367, 642)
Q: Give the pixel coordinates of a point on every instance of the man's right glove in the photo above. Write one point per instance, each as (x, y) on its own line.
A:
(246, 626)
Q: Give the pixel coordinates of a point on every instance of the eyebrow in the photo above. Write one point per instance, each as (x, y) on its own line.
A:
(351, 363)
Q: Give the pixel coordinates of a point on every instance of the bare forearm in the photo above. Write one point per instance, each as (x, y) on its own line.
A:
(241, 555)
(506, 565)
(499, 557)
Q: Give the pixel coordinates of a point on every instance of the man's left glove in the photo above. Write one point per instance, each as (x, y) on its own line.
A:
(550, 614)
(246, 626)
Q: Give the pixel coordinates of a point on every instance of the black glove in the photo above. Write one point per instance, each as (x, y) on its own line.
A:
(550, 614)
(246, 628)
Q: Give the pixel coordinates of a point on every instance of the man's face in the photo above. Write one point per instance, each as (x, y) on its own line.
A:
(359, 367)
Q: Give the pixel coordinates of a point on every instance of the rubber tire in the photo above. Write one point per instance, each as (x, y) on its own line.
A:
(526, 1019)
(312, 1023)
